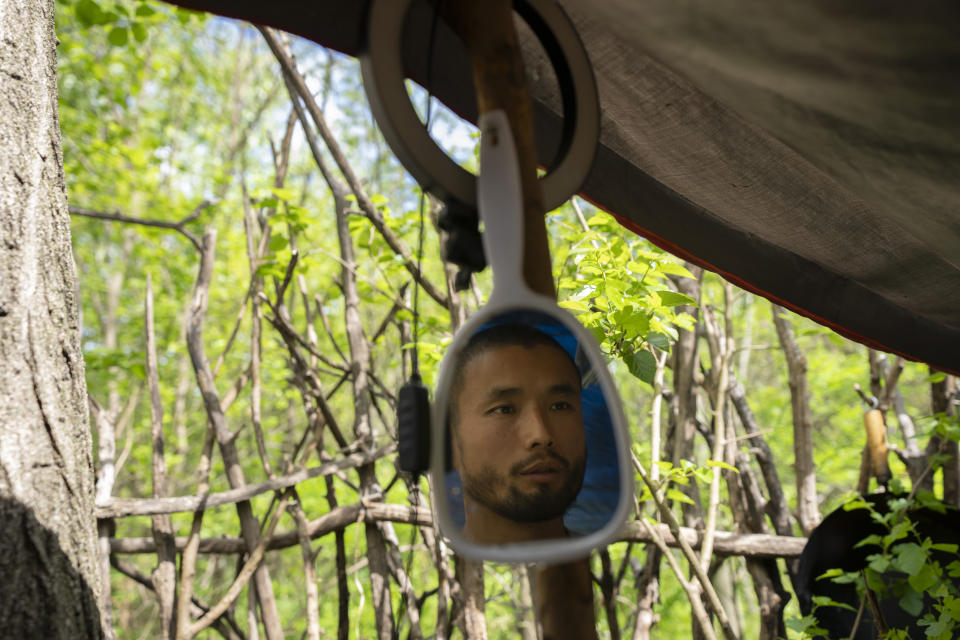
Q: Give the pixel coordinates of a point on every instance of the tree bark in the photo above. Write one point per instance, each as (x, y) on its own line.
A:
(807, 508)
(50, 585)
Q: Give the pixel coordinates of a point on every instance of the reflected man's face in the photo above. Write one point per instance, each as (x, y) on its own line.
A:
(518, 432)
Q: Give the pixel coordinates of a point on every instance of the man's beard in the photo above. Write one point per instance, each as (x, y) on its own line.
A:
(500, 495)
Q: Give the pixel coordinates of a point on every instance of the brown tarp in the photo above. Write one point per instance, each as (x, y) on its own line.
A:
(808, 151)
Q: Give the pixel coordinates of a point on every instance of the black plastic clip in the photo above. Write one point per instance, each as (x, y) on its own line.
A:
(461, 243)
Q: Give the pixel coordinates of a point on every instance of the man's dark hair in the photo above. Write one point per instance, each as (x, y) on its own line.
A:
(494, 337)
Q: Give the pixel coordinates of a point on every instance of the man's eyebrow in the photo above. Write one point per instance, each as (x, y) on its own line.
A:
(499, 393)
(564, 389)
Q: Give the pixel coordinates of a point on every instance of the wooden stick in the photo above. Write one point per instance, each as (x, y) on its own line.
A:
(687, 549)
(807, 505)
(363, 200)
(243, 577)
(191, 545)
(164, 576)
(501, 84)
(725, 543)
(125, 507)
(178, 226)
(309, 570)
(225, 438)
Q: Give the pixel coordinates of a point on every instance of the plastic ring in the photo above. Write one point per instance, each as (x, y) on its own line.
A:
(383, 79)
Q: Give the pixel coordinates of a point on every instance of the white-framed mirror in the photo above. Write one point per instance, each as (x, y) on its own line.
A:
(530, 455)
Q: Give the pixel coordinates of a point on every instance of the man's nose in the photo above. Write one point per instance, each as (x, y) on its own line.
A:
(536, 430)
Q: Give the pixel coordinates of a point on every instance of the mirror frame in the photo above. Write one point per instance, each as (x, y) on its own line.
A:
(500, 207)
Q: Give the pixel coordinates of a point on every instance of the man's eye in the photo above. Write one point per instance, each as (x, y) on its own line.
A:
(502, 409)
(562, 405)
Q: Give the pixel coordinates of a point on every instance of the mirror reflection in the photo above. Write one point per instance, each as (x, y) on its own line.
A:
(531, 453)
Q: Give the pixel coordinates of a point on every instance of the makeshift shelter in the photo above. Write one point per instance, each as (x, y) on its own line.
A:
(809, 152)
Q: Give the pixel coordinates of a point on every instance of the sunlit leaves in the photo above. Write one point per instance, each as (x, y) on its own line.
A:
(616, 284)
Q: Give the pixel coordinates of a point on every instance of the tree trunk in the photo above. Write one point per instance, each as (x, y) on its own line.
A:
(48, 537)
(808, 508)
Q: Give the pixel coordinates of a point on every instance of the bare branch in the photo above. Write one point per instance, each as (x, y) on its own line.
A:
(125, 507)
(164, 576)
(191, 546)
(693, 595)
(211, 398)
(687, 549)
(197, 607)
(725, 543)
(245, 573)
(302, 92)
(309, 571)
(807, 505)
(178, 226)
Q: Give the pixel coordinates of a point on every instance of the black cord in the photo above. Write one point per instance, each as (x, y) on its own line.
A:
(415, 361)
(415, 368)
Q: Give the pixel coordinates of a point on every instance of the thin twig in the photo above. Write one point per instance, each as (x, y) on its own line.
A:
(226, 626)
(302, 92)
(251, 565)
(695, 565)
(191, 547)
(178, 226)
(309, 571)
(699, 611)
(125, 507)
(225, 438)
(164, 577)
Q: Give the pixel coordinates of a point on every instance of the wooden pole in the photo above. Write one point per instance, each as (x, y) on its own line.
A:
(563, 593)
(486, 29)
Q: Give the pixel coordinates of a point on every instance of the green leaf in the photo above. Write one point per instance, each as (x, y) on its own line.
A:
(139, 31)
(869, 540)
(953, 569)
(856, 503)
(879, 563)
(144, 11)
(118, 36)
(923, 579)
(573, 305)
(898, 532)
(678, 496)
(943, 546)
(801, 625)
(89, 13)
(909, 557)
(659, 341)
(278, 241)
(951, 607)
(722, 465)
(283, 194)
(597, 220)
(185, 15)
(830, 573)
(674, 299)
(911, 602)
(933, 378)
(642, 365)
(825, 601)
(674, 269)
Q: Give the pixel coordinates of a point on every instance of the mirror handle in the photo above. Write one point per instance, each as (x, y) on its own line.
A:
(500, 204)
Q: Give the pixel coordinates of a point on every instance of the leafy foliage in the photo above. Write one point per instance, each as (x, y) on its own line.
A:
(163, 109)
